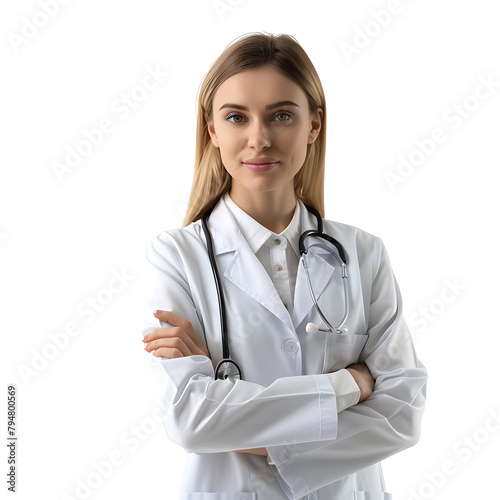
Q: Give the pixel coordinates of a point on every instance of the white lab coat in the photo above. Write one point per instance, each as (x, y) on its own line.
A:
(284, 403)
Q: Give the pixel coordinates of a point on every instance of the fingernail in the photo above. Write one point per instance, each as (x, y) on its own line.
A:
(157, 311)
(146, 337)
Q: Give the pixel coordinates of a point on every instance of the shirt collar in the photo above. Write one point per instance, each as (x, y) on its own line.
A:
(257, 235)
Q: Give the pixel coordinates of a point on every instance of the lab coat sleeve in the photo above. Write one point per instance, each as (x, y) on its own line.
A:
(382, 425)
(204, 415)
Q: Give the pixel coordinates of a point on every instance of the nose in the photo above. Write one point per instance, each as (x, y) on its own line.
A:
(259, 135)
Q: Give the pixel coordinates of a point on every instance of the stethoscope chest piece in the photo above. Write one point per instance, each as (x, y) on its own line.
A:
(227, 369)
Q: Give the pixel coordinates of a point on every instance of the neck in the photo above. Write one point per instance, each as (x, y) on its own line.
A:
(272, 210)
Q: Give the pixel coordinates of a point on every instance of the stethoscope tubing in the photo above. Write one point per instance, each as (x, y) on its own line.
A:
(227, 368)
(338, 328)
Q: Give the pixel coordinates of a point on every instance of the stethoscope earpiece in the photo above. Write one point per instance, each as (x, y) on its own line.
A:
(313, 328)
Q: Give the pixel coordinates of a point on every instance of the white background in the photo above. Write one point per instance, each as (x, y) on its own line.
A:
(61, 238)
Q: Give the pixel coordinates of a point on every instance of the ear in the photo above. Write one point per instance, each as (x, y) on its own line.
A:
(315, 125)
(211, 131)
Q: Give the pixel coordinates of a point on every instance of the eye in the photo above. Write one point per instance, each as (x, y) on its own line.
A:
(285, 114)
(233, 115)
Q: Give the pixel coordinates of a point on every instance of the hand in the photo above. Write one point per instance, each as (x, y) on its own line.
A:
(363, 377)
(174, 342)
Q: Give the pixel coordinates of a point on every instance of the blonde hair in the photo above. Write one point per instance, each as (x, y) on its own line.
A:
(283, 53)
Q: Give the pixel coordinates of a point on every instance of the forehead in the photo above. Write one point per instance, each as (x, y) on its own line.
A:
(257, 87)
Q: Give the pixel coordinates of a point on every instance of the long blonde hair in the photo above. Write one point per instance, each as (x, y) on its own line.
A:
(283, 53)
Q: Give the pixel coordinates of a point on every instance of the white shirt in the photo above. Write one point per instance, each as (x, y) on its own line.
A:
(279, 254)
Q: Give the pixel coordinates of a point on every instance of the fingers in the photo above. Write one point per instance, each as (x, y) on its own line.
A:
(168, 348)
(177, 341)
(179, 321)
(174, 338)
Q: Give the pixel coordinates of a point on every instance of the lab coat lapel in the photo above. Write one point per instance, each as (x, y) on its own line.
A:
(244, 269)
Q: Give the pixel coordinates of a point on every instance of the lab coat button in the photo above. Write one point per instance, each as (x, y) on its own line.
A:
(291, 346)
(278, 267)
(277, 241)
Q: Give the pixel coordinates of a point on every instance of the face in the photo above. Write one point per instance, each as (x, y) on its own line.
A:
(249, 121)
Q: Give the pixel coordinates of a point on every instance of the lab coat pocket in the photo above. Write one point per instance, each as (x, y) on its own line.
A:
(202, 495)
(367, 495)
(342, 350)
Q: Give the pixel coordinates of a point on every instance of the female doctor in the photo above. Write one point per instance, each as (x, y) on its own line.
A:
(316, 409)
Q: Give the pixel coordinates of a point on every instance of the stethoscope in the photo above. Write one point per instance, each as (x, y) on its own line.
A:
(228, 368)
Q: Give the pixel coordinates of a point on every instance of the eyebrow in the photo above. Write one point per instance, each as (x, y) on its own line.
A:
(269, 106)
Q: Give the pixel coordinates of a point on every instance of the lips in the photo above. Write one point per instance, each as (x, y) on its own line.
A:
(260, 165)
(261, 160)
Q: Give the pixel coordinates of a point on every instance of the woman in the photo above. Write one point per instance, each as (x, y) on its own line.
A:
(314, 413)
